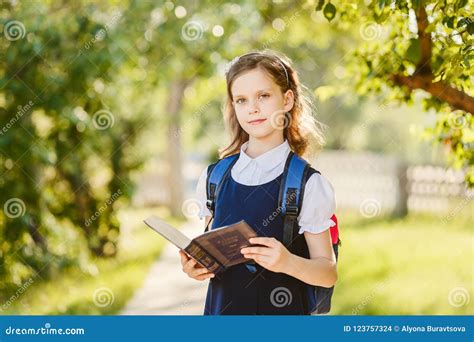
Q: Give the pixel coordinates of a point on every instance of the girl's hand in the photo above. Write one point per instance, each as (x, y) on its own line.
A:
(193, 269)
(274, 256)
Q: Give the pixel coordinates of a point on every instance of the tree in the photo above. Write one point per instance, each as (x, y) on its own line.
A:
(189, 44)
(417, 45)
(66, 148)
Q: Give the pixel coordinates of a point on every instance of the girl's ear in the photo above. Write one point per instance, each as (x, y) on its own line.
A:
(288, 100)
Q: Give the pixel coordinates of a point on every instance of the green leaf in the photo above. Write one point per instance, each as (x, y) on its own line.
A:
(380, 18)
(460, 4)
(329, 11)
(463, 22)
(466, 61)
(449, 21)
(381, 4)
(320, 5)
(470, 28)
(414, 51)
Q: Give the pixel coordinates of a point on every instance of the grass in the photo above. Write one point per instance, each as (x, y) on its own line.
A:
(112, 281)
(410, 266)
(386, 267)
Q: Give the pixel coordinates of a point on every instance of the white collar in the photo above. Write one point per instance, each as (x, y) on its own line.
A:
(266, 161)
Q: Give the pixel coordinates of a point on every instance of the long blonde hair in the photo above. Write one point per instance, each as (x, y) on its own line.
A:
(303, 132)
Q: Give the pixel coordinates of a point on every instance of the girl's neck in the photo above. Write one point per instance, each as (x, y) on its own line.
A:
(258, 146)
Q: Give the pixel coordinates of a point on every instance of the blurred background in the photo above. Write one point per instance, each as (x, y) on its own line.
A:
(109, 111)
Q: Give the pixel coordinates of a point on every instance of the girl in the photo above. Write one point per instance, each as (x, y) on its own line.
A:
(267, 116)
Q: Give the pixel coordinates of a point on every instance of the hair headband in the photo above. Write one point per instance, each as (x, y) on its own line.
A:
(267, 55)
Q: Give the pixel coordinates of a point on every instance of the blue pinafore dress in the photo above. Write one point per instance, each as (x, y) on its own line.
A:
(237, 291)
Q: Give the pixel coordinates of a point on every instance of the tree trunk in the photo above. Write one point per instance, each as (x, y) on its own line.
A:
(174, 178)
(423, 76)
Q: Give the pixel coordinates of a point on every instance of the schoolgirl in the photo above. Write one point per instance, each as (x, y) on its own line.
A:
(268, 118)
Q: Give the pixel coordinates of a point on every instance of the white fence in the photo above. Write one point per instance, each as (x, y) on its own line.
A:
(370, 182)
(366, 181)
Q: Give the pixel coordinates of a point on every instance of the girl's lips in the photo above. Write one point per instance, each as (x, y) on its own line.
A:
(256, 122)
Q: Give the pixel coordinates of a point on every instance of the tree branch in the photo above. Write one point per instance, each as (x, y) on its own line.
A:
(454, 97)
(423, 76)
(424, 65)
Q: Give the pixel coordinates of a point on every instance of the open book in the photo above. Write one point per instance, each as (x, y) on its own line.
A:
(216, 249)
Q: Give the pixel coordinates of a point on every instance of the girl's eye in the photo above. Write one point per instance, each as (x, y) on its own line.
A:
(242, 101)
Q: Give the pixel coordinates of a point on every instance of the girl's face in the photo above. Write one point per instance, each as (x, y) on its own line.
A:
(260, 104)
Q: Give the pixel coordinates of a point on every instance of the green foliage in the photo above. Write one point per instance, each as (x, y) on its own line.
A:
(77, 90)
(425, 47)
(73, 291)
(66, 147)
(81, 83)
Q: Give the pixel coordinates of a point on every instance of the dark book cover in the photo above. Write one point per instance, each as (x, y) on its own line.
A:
(216, 249)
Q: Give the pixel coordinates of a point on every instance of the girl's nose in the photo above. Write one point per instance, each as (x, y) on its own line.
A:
(253, 107)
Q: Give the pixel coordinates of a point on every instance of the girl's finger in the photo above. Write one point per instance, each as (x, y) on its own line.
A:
(201, 270)
(257, 250)
(266, 241)
(258, 258)
(184, 257)
(191, 262)
(189, 265)
(251, 256)
(205, 276)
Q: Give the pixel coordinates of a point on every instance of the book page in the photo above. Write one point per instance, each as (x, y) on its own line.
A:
(224, 243)
(169, 232)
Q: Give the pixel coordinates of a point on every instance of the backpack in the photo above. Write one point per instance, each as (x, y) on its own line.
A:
(290, 200)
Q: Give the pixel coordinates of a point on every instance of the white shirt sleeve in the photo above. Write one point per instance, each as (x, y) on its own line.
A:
(201, 195)
(319, 204)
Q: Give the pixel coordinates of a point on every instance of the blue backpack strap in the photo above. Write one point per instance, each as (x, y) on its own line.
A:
(216, 174)
(291, 195)
(297, 172)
